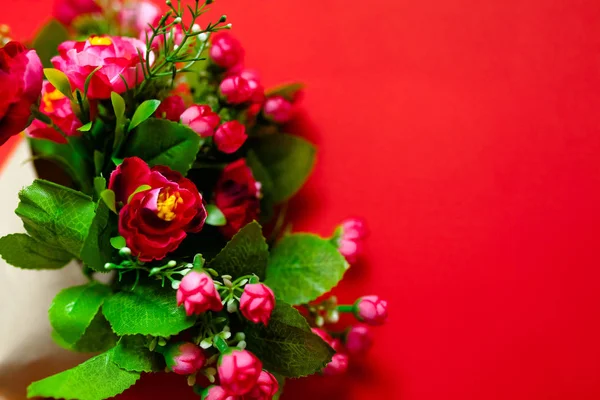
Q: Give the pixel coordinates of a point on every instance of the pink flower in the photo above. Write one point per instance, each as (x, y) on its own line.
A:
(171, 108)
(242, 87)
(217, 393)
(353, 232)
(117, 58)
(184, 358)
(66, 11)
(337, 366)
(226, 51)
(358, 340)
(135, 16)
(278, 109)
(257, 303)
(198, 293)
(371, 310)
(266, 387)
(201, 119)
(58, 107)
(239, 371)
(21, 79)
(230, 136)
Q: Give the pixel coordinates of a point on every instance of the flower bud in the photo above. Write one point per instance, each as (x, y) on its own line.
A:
(171, 108)
(216, 393)
(201, 119)
(266, 387)
(257, 303)
(351, 239)
(239, 371)
(358, 340)
(226, 51)
(198, 293)
(371, 310)
(184, 358)
(230, 136)
(278, 109)
(242, 87)
(337, 366)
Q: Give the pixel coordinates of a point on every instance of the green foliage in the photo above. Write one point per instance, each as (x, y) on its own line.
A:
(246, 253)
(132, 354)
(143, 112)
(97, 249)
(288, 91)
(147, 310)
(97, 337)
(74, 308)
(96, 379)
(22, 251)
(47, 40)
(109, 199)
(215, 216)
(118, 104)
(59, 80)
(288, 160)
(163, 142)
(118, 242)
(261, 174)
(56, 215)
(302, 267)
(287, 346)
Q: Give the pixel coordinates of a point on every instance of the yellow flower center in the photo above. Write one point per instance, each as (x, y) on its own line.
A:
(100, 41)
(49, 98)
(167, 205)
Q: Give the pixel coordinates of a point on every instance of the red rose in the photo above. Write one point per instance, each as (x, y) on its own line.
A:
(21, 75)
(237, 196)
(155, 221)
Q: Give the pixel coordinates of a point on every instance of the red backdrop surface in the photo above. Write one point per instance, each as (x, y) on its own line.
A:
(467, 133)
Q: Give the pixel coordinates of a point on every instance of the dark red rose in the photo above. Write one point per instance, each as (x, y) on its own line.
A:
(21, 75)
(155, 221)
(171, 108)
(237, 196)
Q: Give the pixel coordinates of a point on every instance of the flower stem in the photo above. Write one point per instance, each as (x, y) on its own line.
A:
(220, 344)
(346, 308)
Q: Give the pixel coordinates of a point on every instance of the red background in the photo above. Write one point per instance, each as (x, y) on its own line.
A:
(467, 133)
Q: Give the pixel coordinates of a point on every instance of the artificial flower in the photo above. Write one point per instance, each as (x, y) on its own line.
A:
(257, 303)
(184, 358)
(66, 11)
(201, 119)
(198, 294)
(226, 51)
(239, 371)
(171, 108)
(230, 136)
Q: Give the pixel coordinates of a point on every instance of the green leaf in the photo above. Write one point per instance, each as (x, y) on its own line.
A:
(56, 215)
(143, 112)
(85, 128)
(147, 310)
(119, 109)
(288, 160)
(287, 345)
(109, 198)
(59, 80)
(132, 354)
(261, 175)
(47, 40)
(97, 337)
(96, 379)
(22, 251)
(215, 216)
(118, 242)
(288, 91)
(163, 142)
(246, 253)
(99, 184)
(141, 188)
(74, 308)
(97, 249)
(302, 267)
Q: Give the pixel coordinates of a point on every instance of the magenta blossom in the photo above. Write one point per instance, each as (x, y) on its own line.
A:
(266, 387)
(242, 87)
(184, 358)
(198, 293)
(358, 340)
(230, 136)
(353, 232)
(257, 303)
(201, 119)
(226, 51)
(371, 310)
(337, 366)
(66, 11)
(135, 16)
(239, 371)
(278, 109)
(171, 108)
(117, 59)
(215, 392)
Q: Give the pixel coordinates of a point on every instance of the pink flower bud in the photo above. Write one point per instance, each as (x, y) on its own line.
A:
(239, 371)
(184, 358)
(257, 303)
(358, 340)
(171, 108)
(351, 239)
(226, 51)
(201, 119)
(198, 293)
(242, 87)
(337, 366)
(278, 109)
(230, 136)
(266, 387)
(215, 392)
(371, 310)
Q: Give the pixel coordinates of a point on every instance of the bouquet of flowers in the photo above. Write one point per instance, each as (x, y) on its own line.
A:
(180, 174)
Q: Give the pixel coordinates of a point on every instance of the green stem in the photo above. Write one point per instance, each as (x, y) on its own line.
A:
(220, 344)
(346, 308)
